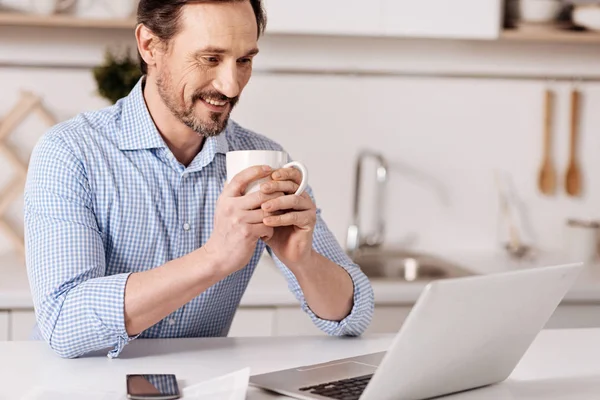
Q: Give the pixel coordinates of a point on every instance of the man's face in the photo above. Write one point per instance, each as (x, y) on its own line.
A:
(205, 67)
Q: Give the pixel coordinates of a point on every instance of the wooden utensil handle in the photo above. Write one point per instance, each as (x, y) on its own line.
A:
(548, 122)
(574, 120)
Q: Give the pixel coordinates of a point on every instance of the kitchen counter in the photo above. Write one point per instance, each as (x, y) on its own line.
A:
(269, 288)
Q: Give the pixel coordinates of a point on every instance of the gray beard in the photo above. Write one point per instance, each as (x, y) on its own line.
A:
(204, 129)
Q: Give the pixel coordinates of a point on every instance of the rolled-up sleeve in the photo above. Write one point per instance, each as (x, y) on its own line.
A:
(325, 243)
(78, 308)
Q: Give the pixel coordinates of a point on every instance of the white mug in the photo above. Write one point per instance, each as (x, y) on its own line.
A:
(239, 160)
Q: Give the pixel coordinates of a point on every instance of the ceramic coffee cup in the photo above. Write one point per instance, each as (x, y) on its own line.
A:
(239, 160)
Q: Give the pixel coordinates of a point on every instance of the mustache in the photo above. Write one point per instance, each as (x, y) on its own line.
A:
(216, 96)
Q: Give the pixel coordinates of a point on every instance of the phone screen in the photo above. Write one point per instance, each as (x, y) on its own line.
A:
(152, 387)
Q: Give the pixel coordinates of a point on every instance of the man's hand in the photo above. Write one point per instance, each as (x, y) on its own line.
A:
(293, 217)
(238, 221)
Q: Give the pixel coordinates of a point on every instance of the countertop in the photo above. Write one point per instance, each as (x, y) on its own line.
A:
(560, 364)
(269, 288)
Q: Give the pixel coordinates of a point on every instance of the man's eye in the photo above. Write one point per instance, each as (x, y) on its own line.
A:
(211, 59)
(245, 61)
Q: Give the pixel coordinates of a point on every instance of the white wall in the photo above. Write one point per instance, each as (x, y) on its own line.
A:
(444, 139)
(443, 136)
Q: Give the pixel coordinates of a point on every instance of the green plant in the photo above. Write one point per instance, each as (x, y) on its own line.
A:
(117, 76)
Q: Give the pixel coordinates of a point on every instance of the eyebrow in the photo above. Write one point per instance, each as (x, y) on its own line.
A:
(219, 50)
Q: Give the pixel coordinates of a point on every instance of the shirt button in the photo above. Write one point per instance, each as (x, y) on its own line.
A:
(171, 321)
(186, 227)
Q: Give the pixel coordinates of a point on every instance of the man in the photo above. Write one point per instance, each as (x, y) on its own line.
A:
(131, 230)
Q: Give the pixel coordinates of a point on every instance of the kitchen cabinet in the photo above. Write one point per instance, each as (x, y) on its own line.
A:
(253, 322)
(4, 326)
(21, 324)
(290, 321)
(331, 17)
(459, 19)
(575, 316)
(293, 321)
(464, 19)
(388, 319)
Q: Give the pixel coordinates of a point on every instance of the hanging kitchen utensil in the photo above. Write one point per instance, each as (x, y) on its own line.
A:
(547, 173)
(573, 176)
(514, 241)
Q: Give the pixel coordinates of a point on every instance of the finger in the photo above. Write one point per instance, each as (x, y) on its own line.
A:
(254, 200)
(287, 174)
(301, 219)
(262, 231)
(279, 186)
(253, 216)
(306, 196)
(240, 182)
(289, 202)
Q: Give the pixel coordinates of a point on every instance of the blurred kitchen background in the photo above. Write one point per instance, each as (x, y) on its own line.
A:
(450, 96)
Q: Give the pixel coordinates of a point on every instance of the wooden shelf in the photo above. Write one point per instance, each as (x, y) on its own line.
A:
(524, 32)
(63, 21)
(549, 33)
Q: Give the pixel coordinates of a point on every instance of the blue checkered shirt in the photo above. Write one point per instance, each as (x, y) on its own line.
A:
(105, 197)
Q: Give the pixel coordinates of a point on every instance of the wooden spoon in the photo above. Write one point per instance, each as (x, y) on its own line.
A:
(547, 175)
(573, 176)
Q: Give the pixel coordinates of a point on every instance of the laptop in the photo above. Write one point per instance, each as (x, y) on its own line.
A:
(461, 334)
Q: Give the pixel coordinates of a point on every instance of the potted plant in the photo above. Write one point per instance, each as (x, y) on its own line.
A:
(117, 76)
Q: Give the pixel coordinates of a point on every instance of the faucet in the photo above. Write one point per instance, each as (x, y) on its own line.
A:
(355, 239)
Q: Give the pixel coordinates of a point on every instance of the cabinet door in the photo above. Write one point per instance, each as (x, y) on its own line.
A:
(575, 316)
(21, 324)
(252, 322)
(327, 17)
(466, 19)
(388, 319)
(4, 326)
(292, 321)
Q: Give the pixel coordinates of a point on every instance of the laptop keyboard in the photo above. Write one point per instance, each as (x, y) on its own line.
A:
(345, 389)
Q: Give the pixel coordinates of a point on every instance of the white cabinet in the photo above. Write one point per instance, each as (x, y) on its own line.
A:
(252, 322)
(21, 324)
(456, 19)
(4, 326)
(575, 316)
(388, 319)
(292, 321)
(324, 17)
(465, 19)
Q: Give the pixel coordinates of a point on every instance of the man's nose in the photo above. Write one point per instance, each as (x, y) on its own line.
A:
(226, 80)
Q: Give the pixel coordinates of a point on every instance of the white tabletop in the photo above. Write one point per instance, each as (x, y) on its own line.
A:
(561, 364)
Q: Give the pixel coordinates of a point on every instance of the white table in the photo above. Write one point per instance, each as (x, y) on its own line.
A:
(561, 364)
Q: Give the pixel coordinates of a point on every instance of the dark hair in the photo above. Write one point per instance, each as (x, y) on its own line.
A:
(162, 17)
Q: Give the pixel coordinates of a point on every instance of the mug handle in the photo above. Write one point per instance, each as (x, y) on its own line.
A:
(300, 167)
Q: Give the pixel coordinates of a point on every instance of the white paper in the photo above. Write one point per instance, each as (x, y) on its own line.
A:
(232, 386)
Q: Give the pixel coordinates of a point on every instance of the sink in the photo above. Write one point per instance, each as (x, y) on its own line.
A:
(407, 266)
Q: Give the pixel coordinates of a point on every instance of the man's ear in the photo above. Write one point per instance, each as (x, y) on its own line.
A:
(147, 44)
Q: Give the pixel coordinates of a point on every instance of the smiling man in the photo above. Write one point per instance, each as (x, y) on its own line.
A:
(131, 229)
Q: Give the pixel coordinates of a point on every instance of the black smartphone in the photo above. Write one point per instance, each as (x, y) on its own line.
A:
(152, 387)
